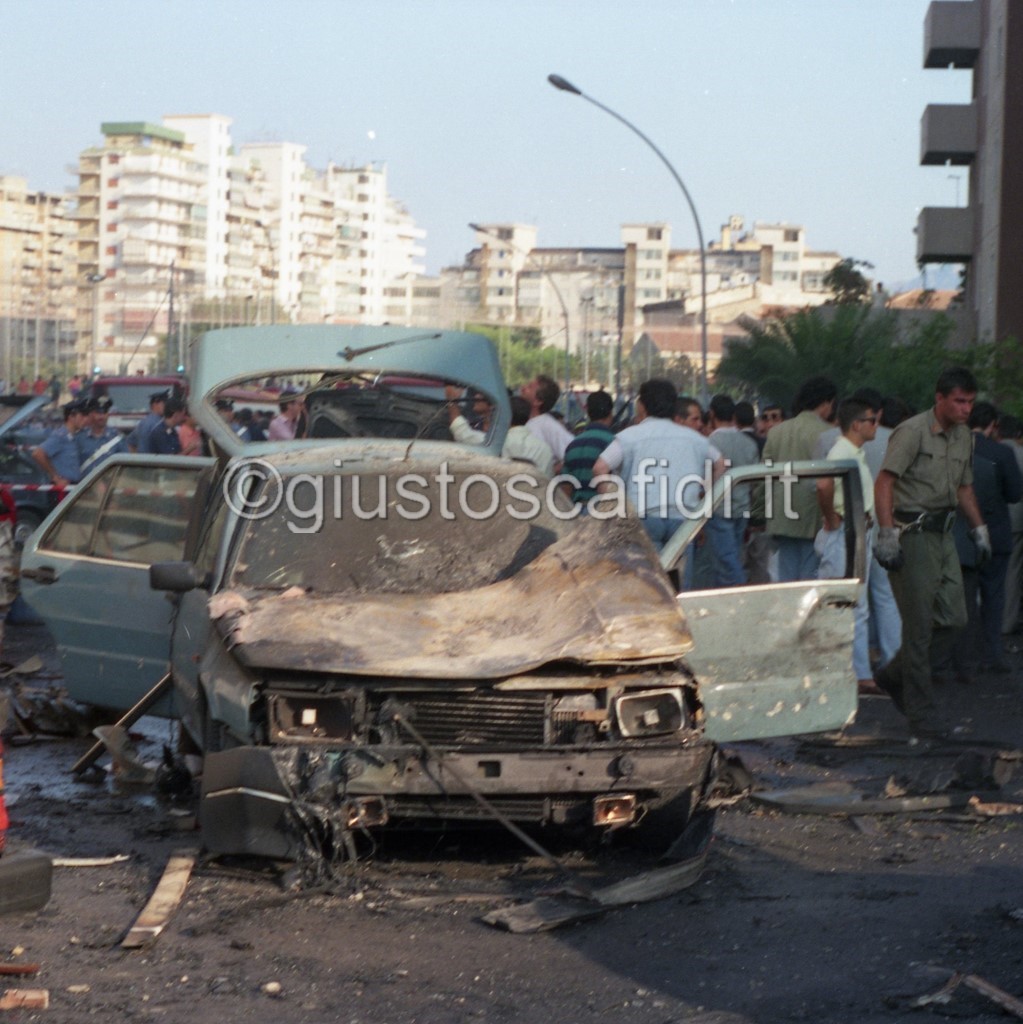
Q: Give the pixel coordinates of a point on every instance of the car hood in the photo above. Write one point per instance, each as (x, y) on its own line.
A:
(235, 356)
(596, 597)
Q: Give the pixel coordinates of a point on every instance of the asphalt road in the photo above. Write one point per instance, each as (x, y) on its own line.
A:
(797, 917)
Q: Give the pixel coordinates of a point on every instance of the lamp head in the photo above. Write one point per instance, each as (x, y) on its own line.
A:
(563, 84)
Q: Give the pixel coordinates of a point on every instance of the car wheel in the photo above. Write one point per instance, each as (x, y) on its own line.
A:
(28, 523)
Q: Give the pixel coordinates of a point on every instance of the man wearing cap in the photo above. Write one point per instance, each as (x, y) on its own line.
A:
(139, 438)
(97, 442)
(58, 454)
(164, 440)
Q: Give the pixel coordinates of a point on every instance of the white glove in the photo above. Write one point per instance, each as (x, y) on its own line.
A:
(887, 549)
(982, 540)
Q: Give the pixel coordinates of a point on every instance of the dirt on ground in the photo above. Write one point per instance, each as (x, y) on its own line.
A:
(797, 916)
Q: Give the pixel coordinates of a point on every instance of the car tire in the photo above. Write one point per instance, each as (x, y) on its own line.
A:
(25, 881)
(27, 524)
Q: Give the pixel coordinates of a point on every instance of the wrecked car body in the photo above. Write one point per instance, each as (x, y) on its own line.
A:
(352, 648)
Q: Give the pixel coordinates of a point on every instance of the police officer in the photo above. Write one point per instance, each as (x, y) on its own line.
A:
(926, 475)
(58, 454)
(97, 442)
(164, 439)
(139, 438)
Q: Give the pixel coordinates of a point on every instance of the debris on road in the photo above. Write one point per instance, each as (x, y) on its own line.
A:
(954, 980)
(25, 999)
(90, 862)
(167, 895)
(551, 912)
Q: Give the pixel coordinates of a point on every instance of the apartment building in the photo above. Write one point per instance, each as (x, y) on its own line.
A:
(176, 226)
(37, 278)
(582, 292)
(141, 228)
(984, 37)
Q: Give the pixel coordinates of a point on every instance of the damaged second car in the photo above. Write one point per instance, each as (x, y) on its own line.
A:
(373, 627)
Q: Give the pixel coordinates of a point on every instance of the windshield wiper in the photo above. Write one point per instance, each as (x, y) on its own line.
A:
(350, 353)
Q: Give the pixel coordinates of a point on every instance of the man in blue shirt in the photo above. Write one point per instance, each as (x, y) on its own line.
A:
(139, 438)
(164, 439)
(97, 442)
(58, 454)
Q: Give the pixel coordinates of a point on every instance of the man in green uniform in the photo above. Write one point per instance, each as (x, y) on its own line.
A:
(925, 476)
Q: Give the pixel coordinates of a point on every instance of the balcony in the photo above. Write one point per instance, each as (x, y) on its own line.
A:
(944, 234)
(952, 34)
(948, 133)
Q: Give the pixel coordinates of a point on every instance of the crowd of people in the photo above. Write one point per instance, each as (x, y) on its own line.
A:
(941, 508)
(942, 513)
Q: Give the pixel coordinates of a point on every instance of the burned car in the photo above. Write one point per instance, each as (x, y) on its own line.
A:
(373, 627)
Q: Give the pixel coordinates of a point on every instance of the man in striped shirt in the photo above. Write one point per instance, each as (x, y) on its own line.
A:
(582, 453)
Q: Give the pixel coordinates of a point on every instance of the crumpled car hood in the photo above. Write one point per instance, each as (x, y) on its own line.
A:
(596, 597)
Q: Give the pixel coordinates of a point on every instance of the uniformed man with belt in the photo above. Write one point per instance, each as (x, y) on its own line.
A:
(58, 454)
(926, 475)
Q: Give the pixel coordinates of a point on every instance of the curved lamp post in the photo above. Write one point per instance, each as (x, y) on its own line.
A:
(565, 86)
(557, 291)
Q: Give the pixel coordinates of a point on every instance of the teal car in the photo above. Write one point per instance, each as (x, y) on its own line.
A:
(371, 626)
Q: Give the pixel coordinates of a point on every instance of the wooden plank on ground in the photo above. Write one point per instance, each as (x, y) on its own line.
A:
(167, 895)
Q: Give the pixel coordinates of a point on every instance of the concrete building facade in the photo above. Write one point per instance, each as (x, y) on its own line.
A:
(37, 278)
(985, 135)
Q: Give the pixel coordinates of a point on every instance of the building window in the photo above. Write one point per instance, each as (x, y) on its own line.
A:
(791, 235)
(112, 204)
(654, 234)
(113, 182)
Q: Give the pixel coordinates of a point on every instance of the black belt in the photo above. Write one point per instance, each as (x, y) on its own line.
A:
(928, 522)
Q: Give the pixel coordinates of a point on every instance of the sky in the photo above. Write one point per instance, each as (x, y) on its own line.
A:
(795, 111)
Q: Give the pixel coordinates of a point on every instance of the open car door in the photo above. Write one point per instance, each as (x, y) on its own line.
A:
(86, 572)
(775, 659)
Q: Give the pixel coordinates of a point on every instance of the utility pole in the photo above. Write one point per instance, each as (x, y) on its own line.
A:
(170, 322)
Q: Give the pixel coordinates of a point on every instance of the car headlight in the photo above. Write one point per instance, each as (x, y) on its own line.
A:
(650, 712)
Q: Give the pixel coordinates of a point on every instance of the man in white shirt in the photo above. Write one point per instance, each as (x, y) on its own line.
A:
(541, 393)
(520, 443)
(661, 463)
(858, 424)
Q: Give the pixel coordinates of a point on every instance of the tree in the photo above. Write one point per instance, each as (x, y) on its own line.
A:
(839, 343)
(846, 283)
(855, 346)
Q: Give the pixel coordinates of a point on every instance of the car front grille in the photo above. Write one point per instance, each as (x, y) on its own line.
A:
(460, 719)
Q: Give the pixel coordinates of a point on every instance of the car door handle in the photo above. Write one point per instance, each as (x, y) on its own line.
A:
(44, 574)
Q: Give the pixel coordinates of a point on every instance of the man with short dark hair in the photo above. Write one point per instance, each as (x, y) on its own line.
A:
(164, 440)
(661, 462)
(857, 422)
(139, 439)
(97, 441)
(284, 425)
(726, 529)
(793, 529)
(541, 393)
(58, 454)
(688, 413)
(925, 477)
(996, 484)
(584, 451)
(520, 442)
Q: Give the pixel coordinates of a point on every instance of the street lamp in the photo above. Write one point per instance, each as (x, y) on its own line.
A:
(95, 280)
(479, 229)
(565, 86)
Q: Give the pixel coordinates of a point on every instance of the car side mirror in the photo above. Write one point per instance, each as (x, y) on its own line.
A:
(176, 577)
